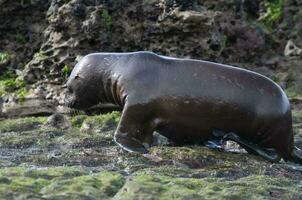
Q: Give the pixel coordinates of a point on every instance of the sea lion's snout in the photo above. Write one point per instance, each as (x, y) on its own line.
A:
(68, 102)
(79, 94)
(69, 99)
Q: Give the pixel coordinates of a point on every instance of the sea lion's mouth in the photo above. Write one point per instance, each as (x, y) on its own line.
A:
(69, 102)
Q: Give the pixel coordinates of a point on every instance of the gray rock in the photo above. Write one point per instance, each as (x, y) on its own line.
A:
(159, 139)
(28, 107)
(57, 120)
(86, 127)
(291, 49)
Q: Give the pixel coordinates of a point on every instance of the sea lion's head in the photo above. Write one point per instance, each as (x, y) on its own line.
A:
(84, 84)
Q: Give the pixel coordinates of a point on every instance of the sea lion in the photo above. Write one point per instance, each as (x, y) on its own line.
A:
(187, 101)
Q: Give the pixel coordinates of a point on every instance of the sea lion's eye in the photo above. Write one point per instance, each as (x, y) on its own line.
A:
(76, 77)
(70, 90)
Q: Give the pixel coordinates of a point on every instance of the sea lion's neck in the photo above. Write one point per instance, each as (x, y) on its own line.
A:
(110, 81)
(112, 92)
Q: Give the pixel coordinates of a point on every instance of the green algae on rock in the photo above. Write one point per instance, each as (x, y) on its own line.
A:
(166, 172)
(9, 83)
(98, 120)
(198, 156)
(143, 186)
(77, 120)
(21, 124)
(4, 57)
(58, 183)
(28, 141)
(100, 185)
(273, 11)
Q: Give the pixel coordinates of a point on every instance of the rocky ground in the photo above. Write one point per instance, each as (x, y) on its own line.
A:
(72, 155)
(75, 158)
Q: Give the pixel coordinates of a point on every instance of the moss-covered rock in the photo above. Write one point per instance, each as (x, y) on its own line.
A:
(197, 156)
(58, 183)
(10, 84)
(40, 161)
(101, 185)
(144, 186)
(21, 124)
(272, 12)
(31, 141)
(77, 120)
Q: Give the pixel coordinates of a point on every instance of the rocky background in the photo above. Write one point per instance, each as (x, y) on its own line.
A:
(72, 156)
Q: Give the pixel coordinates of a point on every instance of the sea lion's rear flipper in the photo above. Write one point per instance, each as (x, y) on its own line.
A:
(133, 133)
(296, 155)
(268, 154)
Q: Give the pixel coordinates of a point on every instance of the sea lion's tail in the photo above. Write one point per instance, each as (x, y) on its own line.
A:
(296, 156)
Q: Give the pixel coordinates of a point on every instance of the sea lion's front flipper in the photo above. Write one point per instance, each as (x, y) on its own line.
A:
(296, 155)
(268, 154)
(134, 132)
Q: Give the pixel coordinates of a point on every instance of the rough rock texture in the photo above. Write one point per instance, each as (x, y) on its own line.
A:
(21, 32)
(45, 45)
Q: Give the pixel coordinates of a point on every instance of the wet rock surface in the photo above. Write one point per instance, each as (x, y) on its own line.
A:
(40, 161)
